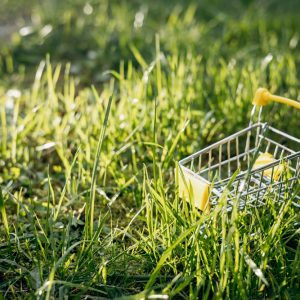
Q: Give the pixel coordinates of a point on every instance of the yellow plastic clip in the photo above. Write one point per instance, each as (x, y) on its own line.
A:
(267, 158)
(262, 97)
(195, 190)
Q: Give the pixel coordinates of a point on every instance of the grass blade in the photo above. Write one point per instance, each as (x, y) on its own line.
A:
(91, 204)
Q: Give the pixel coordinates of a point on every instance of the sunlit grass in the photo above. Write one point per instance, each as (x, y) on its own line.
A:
(89, 201)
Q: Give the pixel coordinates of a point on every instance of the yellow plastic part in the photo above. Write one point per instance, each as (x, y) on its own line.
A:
(193, 189)
(265, 159)
(262, 97)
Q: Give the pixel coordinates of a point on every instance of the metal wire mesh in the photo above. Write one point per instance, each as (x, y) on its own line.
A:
(217, 163)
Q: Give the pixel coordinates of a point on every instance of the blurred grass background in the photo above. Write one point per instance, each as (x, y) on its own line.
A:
(96, 35)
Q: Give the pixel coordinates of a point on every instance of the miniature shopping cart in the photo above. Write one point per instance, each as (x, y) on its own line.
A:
(249, 165)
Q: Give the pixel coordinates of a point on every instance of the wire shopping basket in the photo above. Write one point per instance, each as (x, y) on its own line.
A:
(249, 164)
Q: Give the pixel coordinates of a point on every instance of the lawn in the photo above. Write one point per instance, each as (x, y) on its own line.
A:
(98, 101)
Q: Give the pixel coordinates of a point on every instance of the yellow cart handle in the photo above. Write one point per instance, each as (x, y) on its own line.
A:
(262, 97)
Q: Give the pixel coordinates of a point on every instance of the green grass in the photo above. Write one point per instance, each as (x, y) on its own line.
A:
(95, 114)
